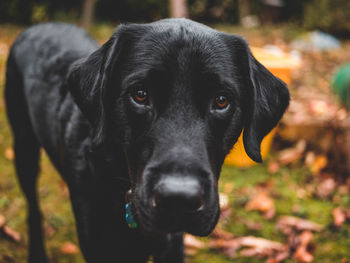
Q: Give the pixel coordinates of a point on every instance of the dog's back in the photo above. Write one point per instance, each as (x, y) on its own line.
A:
(36, 69)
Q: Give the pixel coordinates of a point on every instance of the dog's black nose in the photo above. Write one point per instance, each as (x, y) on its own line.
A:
(174, 195)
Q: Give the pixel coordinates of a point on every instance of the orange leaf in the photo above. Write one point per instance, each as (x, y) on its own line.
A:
(190, 251)
(319, 163)
(302, 255)
(9, 154)
(253, 225)
(12, 234)
(292, 154)
(305, 238)
(285, 223)
(222, 234)
(68, 248)
(273, 167)
(192, 242)
(228, 247)
(338, 216)
(263, 203)
(2, 221)
(222, 244)
(261, 243)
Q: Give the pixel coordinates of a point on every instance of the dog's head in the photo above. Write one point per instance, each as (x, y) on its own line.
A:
(175, 95)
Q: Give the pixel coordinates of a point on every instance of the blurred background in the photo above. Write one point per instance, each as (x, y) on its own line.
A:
(293, 208)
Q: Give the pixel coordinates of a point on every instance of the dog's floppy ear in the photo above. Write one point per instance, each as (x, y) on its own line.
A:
(268, 98)
(89, 78)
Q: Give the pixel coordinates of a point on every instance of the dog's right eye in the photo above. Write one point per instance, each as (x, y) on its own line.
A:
(140, 96)
(221, 102)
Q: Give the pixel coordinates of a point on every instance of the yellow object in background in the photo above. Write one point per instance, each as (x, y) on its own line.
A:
(281, 66)
(238, 156)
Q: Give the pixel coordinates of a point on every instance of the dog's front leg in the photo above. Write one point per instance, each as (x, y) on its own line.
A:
(171, 250)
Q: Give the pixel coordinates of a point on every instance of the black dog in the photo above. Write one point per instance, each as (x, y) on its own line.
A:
(155, 110)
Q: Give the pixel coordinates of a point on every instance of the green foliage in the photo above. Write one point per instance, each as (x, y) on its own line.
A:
(341, 84)
(331, 16)
(39, 13)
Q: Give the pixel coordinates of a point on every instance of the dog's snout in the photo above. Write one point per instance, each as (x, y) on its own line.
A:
(178, 195)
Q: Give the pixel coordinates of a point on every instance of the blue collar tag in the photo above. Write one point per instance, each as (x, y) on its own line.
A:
(128, 216)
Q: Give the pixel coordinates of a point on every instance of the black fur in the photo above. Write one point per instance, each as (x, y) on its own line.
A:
(77, 101)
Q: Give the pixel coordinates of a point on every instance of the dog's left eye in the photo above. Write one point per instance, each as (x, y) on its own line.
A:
(221, 102)
(140, 96)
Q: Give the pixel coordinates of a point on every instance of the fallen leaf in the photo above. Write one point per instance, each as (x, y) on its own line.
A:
(221, 243)
(282, 255)
(319, 107)
(224, 206)
(260, 243)
(318, 164)
(326, 188)
(259, 247)
(295, 209)
(287, 223)
(9, 154)
(221, 234)
(305, 238)
(343, 190)
(339, 216)
(263, 203)
(64, 189)
(191, 251)
(68, 248)
(228, 247)
(2, 221)
(225, 214)
(271, 260)
(12, 234)
(223, 201)
(252, 246)
(253, 252)
(253, 225)
(192, 242)
(292, 154)
(310, 158)
(273, 167)
(302, 255)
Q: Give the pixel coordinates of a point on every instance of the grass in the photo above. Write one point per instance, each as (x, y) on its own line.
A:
(289, 188)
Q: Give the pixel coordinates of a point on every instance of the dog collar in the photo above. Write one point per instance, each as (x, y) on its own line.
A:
(128, 214)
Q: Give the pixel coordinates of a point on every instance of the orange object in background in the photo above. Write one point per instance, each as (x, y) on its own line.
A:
(281, 66)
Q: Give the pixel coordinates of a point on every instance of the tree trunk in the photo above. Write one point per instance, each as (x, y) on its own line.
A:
(178, 8)
(244, 9)
(88, 13)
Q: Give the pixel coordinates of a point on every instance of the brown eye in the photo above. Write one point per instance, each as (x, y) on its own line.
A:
(140, 96)
(221, 102)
